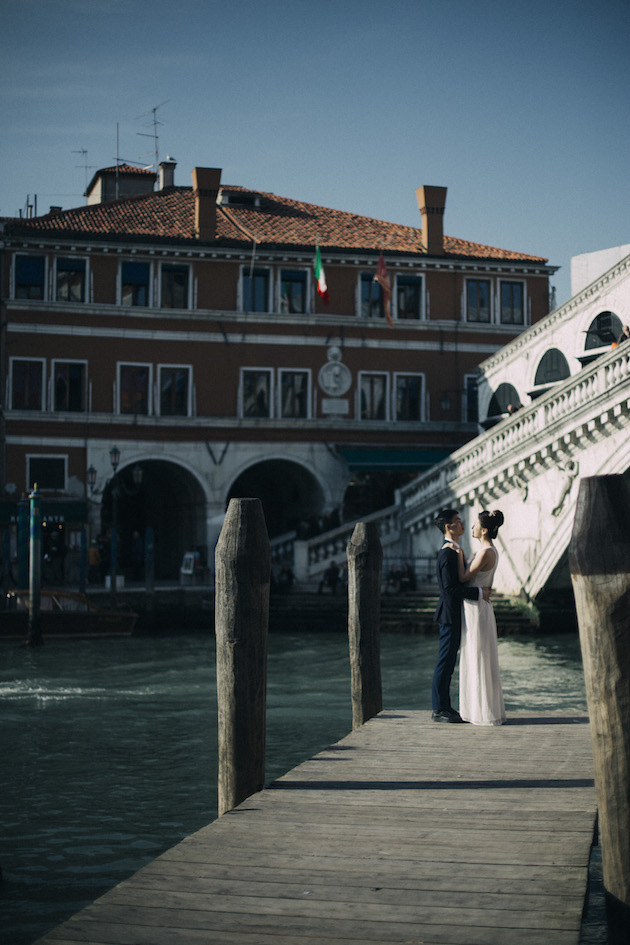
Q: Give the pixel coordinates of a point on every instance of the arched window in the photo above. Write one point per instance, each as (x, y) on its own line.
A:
(603, 330)
(505, 394)
(553, 367)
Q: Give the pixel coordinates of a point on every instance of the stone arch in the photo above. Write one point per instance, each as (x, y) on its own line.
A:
(171, 501)
(604, 329)
(552, 367)
(289, 492)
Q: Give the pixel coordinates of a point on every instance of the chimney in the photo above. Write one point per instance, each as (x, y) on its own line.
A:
(206, 183)
(167, 173)
(431, 201)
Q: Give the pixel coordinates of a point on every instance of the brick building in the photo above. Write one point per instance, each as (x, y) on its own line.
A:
(183, 326)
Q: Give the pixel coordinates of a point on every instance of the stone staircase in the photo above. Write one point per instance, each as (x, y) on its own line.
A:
(411, 613)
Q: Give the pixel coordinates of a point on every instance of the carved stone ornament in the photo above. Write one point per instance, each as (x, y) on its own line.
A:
(335, 378)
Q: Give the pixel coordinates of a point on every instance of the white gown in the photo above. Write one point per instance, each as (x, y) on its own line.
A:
(480, 692)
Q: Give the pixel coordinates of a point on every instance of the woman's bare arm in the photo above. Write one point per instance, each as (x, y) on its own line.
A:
(483, 561)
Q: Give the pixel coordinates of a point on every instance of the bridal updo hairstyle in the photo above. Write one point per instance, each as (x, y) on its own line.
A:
(492, 521)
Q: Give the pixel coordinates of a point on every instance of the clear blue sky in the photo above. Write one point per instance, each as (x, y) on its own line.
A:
(521, 109)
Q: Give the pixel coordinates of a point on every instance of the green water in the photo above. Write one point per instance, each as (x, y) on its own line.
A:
(109, 746)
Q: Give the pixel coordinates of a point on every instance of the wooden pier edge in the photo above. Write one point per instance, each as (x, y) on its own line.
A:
(402, 832)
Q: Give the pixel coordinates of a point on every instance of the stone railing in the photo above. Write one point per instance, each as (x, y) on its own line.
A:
(282, 547)
(575, 407)
(312, 557)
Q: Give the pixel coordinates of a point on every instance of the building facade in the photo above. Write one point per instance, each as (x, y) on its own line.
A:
(188, 328)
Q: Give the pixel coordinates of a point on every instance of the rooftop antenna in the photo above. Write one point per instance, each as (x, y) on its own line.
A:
(154, 133)
(120, 160)
(85, 166)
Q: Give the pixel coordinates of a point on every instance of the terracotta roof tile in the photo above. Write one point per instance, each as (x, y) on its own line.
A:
(276, 222)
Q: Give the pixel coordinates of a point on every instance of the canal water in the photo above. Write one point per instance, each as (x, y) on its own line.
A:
(109, 747)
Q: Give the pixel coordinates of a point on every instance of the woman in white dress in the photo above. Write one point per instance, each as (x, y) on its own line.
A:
(480, 692)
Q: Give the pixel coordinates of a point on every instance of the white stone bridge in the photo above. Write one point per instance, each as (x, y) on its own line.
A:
(528, 464)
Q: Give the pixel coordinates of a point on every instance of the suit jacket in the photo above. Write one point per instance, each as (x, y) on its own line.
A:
(452, 591)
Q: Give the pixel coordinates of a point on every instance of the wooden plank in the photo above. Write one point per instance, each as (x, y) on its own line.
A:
(403, 832)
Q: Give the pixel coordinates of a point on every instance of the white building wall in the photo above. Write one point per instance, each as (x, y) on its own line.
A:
(587, 267)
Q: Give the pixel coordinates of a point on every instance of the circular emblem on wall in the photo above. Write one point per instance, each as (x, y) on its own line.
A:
(334, 377)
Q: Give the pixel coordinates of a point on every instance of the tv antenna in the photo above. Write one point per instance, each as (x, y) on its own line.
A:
(154, 133)
(85, 166)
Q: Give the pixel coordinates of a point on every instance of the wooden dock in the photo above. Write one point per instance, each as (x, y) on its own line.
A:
(406, 831)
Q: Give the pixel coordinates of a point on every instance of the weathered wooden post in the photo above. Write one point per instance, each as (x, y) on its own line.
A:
(6, 565)
(365, 562)
(35, 570)
(242, 578)
(23, 543)
(599, 559)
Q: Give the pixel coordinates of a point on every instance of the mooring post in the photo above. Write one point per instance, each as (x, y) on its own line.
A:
(23, 543)
(365, 562)
(599, 560)
(242, 578)
(149, 570)
(6, 565)
(35, 570)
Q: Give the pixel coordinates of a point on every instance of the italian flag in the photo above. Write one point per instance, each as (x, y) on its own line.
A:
(320, 275)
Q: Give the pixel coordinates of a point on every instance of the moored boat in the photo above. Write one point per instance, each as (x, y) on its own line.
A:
(63, 614)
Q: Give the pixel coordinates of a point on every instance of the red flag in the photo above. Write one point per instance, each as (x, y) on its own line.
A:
(383, 280)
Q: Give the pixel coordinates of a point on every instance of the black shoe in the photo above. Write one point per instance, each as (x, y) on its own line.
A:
(446, 715)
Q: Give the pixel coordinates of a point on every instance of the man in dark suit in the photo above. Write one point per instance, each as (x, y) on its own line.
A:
(448, 614)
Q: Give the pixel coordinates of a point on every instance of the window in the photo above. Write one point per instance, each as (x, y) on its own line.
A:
(373, 394)
(69, 385)
(294, 391)
(135, 283)
(27, 384)
(174, 391)
(293, 291)
(30, 277)
(603, 330)
(49, 472)
(256, 290)
(70, 280)
(408, 396)
(256, 393)
(371, 297)
(174, 286)
(409, 297)
(505, 394)
(471, 409)
(478, 300)
(512, 304)
(134, 388)
(553, 367)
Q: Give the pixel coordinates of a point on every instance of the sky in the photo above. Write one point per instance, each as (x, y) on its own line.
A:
(521, 108)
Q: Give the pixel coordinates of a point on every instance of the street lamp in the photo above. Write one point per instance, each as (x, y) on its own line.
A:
(118, 486)
(114, 457)
(91, 478)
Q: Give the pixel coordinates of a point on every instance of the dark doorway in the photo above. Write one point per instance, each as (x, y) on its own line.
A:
(169, 500)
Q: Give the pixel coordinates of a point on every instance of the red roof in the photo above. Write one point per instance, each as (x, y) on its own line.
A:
(276, 222)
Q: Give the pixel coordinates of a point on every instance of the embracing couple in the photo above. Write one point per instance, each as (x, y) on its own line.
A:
(465, 617)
